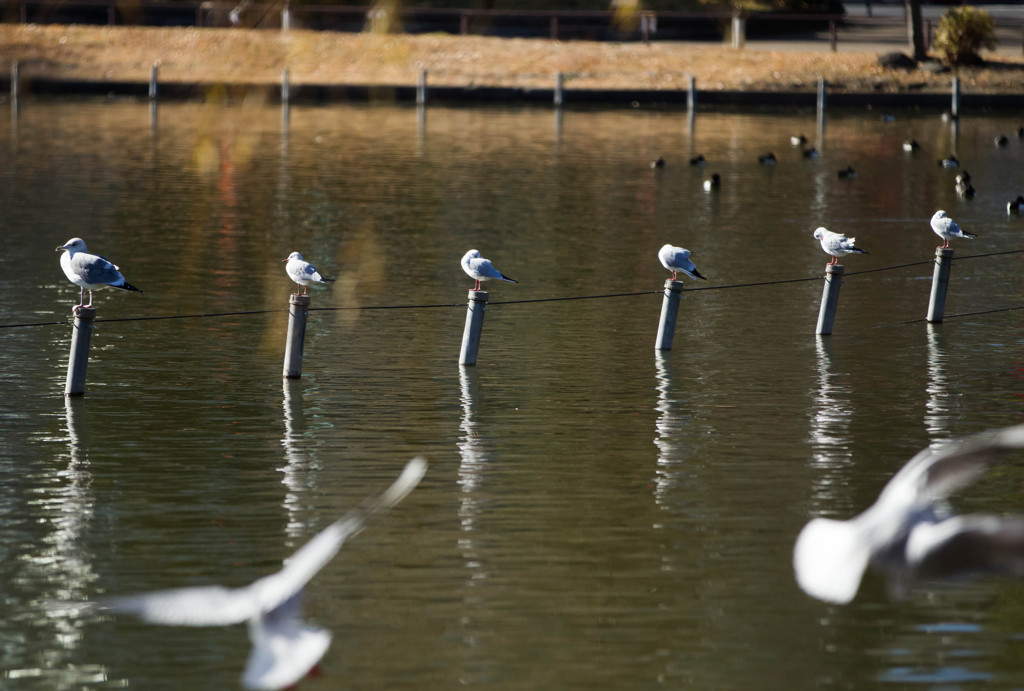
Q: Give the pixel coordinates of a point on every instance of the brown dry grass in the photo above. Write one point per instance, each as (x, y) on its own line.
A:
(258, 56)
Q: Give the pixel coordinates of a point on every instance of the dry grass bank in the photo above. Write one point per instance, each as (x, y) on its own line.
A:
(248, 56)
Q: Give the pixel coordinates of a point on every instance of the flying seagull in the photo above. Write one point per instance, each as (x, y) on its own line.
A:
(480, 269)
(947, 229)
(303, 273)
(284, 647)
(909, 533)
(89, 271)
(836, 244)
(677, 259)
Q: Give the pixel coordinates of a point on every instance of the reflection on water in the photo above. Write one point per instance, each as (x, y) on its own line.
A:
(300, 474)
(473, 461)
(672, 427)
(830, 436)
(940, 411)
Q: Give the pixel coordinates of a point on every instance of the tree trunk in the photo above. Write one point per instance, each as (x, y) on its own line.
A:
(915, 29)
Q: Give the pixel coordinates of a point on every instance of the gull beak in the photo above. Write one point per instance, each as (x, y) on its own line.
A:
(58, 249)
(284, 261)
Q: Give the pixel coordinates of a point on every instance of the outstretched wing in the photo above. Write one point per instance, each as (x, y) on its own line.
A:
(202, 606)
(277, 588)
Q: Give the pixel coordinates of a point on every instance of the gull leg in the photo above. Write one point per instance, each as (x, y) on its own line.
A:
(89, 306)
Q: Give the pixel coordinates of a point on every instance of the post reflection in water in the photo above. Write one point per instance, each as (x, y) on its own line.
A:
(671, 427)
(830, 426)
(938, 408)
(300, 474)
(64, 562)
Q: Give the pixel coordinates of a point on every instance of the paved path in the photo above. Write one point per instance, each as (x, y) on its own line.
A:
(882, 27)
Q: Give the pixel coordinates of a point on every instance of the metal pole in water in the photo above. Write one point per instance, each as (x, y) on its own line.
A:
(669, 312)
(78, 360)
(940, 281)
(298, 310)
(15, 85)
(559, 85)
(474, 325)
(822, 102)
(691, 95)
(829, 298)
(153, 72)
(421, 89)
(954, 107)
(285, 86)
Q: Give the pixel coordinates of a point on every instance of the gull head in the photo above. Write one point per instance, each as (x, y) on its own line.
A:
(829, 559)
(820, 232)
(293, 255)
(73, 245)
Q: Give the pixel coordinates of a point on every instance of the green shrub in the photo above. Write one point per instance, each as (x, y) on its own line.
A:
(962, 32)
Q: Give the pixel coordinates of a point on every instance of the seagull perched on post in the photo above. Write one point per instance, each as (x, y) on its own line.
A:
(89, 271)
(836, 244)
(677, 259)
(909, 533)
(480, 269)
(284, 648)
(947, 229)
(303, 273)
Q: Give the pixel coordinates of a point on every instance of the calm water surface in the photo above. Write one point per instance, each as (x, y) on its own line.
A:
(595, 516)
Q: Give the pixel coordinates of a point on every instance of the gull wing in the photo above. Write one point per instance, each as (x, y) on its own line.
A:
(276, 589)
(202, 606)
(967, 544)
(94, 269)
(934, 474)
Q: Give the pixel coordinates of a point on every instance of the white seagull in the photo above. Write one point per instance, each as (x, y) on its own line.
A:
(303, 273)
(89, 271)
(947, 229)
(836, 244)
(284, 648)
(480, 269)
(909, 533)
(677, 259)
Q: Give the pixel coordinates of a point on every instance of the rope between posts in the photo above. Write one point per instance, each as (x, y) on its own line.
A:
(535, 300)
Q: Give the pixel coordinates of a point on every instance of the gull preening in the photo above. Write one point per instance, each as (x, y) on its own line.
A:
(677, 259)
(284, 647)
(480, 269)
(909, 533)
(947, 229)
(303, 273)
(836, 244)
(89, 271)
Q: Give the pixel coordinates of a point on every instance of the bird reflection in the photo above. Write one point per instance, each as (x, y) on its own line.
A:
(300, 475)
(671, 426)
(830, 423)
(473, 461)
(939, 409)
(910, 534)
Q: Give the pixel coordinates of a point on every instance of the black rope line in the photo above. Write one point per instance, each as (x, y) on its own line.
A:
(523, 302)
(953, 316)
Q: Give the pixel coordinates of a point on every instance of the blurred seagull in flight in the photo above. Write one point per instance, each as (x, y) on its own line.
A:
(836, 244)
(303, 273)
(284, 647)
(947, 229)
(677, 259)
(89, 271)
(909, 533)
(480, 269)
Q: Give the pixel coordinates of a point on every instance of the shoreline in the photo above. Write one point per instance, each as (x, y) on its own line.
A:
(326, 67)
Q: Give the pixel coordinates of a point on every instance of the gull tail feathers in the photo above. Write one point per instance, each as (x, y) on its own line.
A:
(128, 286)
(829, 559)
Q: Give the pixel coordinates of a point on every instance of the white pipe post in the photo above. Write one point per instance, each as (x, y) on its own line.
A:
(78, 360)
(954, 107)
(298, 310)
(15, 81)
(829, 299)
(559, 85)
(474, 325)
(940, 281)
(286, 91)
(669, 312)
(421, 89)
